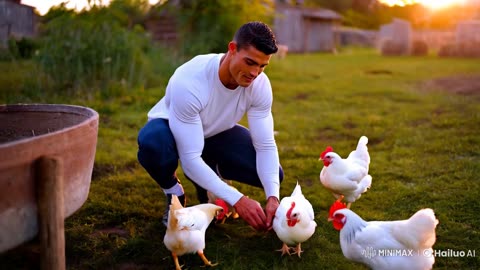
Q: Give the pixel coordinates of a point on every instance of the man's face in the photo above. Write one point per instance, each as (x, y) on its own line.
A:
(246, 64)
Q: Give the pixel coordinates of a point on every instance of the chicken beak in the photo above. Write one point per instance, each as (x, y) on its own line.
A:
(330, 219)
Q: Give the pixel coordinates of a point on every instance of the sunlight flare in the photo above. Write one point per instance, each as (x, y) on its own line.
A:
(432, 4)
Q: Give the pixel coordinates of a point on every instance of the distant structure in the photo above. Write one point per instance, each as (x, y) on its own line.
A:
(395, 38)
(466, 42)
(305, 29)
(468, 32)
(16, 21)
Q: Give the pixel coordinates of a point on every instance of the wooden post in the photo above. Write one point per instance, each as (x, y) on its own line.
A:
(49, 188)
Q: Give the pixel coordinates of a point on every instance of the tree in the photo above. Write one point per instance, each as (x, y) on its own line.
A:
(206, 26)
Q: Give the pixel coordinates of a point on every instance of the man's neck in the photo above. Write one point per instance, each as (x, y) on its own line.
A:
(224, 73)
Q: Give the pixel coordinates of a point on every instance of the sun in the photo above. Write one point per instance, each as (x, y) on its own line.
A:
(440, 4)
(432, 4)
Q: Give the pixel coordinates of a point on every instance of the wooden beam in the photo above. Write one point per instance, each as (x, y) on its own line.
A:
(49, 188)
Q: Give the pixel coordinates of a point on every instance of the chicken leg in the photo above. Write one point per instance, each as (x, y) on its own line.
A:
(298, 250)
(175, 259)
(285, 249)
(205, 260)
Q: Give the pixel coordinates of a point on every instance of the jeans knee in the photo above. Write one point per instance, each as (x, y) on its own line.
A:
(156, 145)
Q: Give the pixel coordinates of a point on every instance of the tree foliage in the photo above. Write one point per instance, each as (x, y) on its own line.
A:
(102, 48)
(207, 26)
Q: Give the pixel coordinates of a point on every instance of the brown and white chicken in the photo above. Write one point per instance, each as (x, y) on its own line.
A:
(347, 177)
(186, 229)
(294, 221)
(396, 245)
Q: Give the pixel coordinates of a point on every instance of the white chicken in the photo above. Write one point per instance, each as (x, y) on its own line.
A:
(294, 221)
(401, 244)
(186, 229)
(347, 178)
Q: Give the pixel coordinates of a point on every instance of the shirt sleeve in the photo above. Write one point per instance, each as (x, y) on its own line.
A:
(260, 121)
(186, 127)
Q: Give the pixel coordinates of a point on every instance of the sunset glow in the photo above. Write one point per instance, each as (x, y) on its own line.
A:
(432, 4)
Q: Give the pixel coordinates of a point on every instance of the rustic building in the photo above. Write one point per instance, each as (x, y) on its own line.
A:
(305, 29)
(163, 28)
(16, 20)
(395, 37)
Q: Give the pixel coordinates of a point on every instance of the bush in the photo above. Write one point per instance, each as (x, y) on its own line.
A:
(448, 50)
(391, 48)
(419, 48)
(5, 54)
(469, 49)
(89, 53)
(207, 26)
(466, 49)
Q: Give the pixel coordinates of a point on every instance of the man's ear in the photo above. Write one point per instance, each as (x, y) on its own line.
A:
(232, 47)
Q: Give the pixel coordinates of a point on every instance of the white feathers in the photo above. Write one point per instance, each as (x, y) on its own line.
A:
(294, 221)
(347, 177)
(373, 243)
(186, 228)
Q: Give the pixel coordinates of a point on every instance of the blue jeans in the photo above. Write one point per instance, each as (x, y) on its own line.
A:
(230, 153)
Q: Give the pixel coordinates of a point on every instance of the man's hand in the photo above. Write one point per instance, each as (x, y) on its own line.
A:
(270, 209)
(251, 211)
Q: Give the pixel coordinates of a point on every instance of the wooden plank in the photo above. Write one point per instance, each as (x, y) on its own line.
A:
(49, 187)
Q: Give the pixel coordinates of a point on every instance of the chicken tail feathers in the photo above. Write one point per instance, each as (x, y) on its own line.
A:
(362, 142)
(360, 155)
(421, 227)
(297, 191)
(426, 222)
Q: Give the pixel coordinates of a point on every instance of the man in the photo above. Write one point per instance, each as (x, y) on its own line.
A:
(196, 123)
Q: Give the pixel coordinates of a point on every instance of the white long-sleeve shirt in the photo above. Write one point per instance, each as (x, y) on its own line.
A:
(199, 106)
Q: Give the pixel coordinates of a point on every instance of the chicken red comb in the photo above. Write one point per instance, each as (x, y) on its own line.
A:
(327, 150)
(337, 205)
(222, 204)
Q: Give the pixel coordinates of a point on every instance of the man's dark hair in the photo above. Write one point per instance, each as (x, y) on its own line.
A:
(258, 35)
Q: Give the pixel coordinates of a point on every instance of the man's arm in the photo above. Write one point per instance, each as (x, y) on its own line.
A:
(186, 127)
(261, 126)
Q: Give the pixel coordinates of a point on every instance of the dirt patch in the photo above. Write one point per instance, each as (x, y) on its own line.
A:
(111, 231)
(462, 85)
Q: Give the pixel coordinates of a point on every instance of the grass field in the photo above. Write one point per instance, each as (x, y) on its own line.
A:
(424, 143)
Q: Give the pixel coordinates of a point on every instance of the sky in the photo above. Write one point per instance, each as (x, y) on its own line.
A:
(44, 5)
(433, 4)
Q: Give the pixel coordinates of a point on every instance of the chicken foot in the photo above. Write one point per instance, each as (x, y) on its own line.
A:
(205, 260)
(298, 250)
(285, 249)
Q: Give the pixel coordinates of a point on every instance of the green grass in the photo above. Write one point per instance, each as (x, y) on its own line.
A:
(424, 144)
